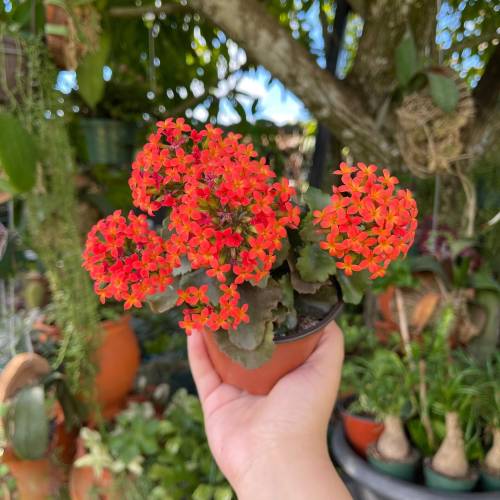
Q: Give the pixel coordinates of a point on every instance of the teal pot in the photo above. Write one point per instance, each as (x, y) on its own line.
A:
(365, 482)
(489, 481)
(107, 142)
(438, 481)
(406, 469)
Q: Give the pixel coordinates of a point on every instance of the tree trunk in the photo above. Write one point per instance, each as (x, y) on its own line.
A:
(329, 100)
(450, 459)
(392, 443)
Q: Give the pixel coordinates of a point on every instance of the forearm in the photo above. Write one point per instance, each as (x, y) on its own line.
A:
(297, 473)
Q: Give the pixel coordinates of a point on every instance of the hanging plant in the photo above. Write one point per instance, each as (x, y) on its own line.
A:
(72, 30)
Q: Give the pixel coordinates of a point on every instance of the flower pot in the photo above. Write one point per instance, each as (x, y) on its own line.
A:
(83, 483)
(35, 479)
(488, 480)
(108, 142)
(406, 469)
(439, 481)
(289, 353)
(367, 483)
(361, 431)
(118, 359)
(60, 34)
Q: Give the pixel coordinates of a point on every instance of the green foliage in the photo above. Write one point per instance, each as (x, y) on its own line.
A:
(170, 457)
(90, 80)
(357, 337)
(399, 274)
(444, 91)
(316, 199)
(314, 264)
(407, 63)
(18, 154)
(353, 287)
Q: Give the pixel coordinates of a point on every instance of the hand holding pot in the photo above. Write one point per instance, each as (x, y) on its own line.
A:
(274, 446)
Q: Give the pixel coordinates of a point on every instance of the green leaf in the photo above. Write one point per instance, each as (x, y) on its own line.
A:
(223, 493)
(261, 303)
(308, 231)
(89, 75)
(314, 264)
(18, 154)
(316, 199)
(406, 59)
(298, 283)
(7, 187)
(444, 92)
(203, 492)
(353, 287)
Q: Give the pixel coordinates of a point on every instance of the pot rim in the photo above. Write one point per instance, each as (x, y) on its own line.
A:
(330, 316)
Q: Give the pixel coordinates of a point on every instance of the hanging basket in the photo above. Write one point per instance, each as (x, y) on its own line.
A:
(428, 137)
(13, 65)
(70, 33)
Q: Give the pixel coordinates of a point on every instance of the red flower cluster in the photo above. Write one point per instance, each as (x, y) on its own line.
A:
(226, 214)
(127, 260)
(368, 223)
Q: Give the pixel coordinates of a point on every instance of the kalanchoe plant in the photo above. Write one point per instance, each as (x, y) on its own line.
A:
(237, 251)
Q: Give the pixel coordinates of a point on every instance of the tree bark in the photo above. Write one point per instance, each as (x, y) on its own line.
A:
(330, 101)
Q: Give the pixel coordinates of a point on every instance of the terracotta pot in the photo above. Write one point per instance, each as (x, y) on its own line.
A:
(118, 359)
(35, 479)
(361, 431)
(83, 482)
(290, 353)
(59, 31)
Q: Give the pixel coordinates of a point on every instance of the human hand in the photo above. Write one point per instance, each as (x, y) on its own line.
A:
(274, 446)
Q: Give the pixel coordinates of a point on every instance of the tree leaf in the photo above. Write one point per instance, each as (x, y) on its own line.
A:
(315, 264)
(444, 92)
(18, 153)
(406, 59)
(316, 199)
(298, 283)
(353, 287)
(89, 75)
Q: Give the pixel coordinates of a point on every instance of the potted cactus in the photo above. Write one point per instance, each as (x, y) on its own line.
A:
(253, 270)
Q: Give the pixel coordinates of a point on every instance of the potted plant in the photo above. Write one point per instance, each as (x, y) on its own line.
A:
(389, 392)
(39, 418)
(113, 381)
(143, 455)
(452, 396)
(361, 426)
(259, 277)
(490, 410)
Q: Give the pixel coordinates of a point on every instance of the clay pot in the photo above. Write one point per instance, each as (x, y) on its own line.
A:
(42, 478)
(361, 431)
(118, 359)
(290, 353)
(83, 482)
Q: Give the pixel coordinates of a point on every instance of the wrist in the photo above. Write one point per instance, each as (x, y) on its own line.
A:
(297, 470)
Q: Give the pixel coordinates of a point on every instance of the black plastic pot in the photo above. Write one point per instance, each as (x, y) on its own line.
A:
(366, 483)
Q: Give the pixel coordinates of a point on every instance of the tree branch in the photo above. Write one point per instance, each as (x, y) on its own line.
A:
(330, 101)
(483, 133)
(140, 11)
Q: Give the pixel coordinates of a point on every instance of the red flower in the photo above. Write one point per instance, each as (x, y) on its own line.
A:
(367, 223)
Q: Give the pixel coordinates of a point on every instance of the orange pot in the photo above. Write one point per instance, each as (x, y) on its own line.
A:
(288, 355)
(83, 483)
(35, 479)
(361, 431)
(260, 381)
(118, 359)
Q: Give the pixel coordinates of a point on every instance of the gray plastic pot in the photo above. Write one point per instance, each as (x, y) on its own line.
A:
(366, 483)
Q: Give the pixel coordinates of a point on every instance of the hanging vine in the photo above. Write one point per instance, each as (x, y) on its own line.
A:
(51, 212)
